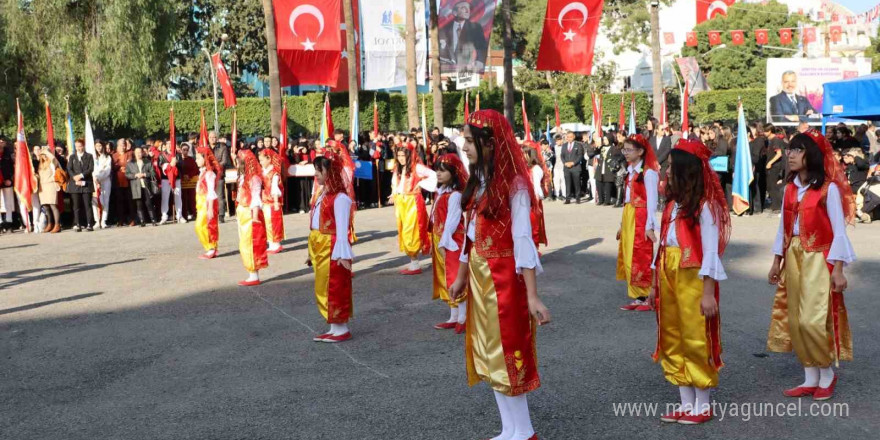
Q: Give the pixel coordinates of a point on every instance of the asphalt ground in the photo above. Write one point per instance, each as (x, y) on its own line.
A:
(125, 334)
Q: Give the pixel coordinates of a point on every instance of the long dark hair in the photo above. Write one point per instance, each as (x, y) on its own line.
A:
(322, 164)
(685, 184)
(531, 156)
(409, 161)
(456, 183)
(814, 160)
(484, 167)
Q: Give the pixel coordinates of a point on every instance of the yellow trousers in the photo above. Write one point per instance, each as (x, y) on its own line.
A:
(625, 255)
(408, 237)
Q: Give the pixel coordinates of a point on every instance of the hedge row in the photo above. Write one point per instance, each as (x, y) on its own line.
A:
(304, 112)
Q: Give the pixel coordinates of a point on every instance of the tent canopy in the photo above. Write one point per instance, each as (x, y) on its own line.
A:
(854, 98)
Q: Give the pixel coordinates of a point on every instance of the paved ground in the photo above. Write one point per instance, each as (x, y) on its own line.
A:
(124, 334)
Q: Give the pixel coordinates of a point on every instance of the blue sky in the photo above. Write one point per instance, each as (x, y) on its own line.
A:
(858, 6)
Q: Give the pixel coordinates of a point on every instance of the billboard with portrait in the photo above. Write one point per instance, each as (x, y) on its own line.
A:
(794, 86)
(465, 26)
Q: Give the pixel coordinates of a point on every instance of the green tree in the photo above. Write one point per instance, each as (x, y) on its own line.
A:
(742, 66)
(627, 23)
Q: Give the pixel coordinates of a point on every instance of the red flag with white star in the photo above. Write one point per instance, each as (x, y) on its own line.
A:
(342, 82)
(785, 36)
(737, 38)
(223, 80)
(570, 30)
(692, 39)
(708, 9)
(668, 38)
(714, 38)
(24, 181)
(761, 37)
(309, 41)
(836, 30)
(809, 35)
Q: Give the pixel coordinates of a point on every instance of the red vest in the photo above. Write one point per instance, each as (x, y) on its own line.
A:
(202, 185)
(815, 226)
(328, 217)
(638, 194)
(494, 237)
(244, 197)
(441, 210)
(267, 187)
(687, 232)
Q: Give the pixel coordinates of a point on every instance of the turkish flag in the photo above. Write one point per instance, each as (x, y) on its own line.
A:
(850, 19)
(342, 82)
(821, 15)
(50, 132)
(737, 38)
(309, 43)
(714, 38)
(785, 36)
(668, 38)
(569, 36)
(691, 39)
(835, 17)
(761, 36)
(809, 35)
(223, 79)
(24, 181)
(708, 9)
(836, 30)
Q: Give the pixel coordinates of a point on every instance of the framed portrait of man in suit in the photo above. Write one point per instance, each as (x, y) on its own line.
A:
(465, 26)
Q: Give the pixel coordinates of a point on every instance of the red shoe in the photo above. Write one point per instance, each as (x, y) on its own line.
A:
(800, 391)
(445, 325)
(672, 417)
(695, 419)
(644, 308)
(534, 437)
(208, 256)
(334, 339)
(411, 272)
(321, 338)
(825, 393)
(631, 306)
(276, 251)
(247, 283)
(460, 328)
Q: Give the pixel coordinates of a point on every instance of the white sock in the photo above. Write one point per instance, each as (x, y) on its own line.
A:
(462, 312)
(507, 428)
(453, 314)
(340, 329)
(826, 375)
(253, 276)
(414, 264)
(688, 398)
(274, 246)
(811, 377)
(519, 409)
(703, 401)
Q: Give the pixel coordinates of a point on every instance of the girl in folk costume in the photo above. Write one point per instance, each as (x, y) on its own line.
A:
(693, 235)
(272, 194)
(636, 235)
(809, 315)
(502, 263)
(330, 239)
(207, 203)
(540, 177)
(447, 233)
(251, 228)
(409, 179)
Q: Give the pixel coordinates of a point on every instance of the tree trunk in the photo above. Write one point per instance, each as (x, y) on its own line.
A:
(435, 66)
(412, 94)
(509, 97)
(274, 79)
(657, 70)
(352, 60)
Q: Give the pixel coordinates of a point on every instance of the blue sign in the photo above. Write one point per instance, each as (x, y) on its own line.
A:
(363, 170)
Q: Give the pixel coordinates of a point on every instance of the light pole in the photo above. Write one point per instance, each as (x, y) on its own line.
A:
(223, 39)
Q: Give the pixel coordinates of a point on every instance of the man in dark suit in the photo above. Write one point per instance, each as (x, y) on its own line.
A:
(463, 45)
(80, 187)
(221, 153)
(788, 106)
(572, 157)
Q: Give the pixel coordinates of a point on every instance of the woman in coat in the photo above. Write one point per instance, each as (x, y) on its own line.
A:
(142, 181)
(49, 189)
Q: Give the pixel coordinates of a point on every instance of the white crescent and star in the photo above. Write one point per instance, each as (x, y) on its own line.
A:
(573, 6)
(307, 10)
(718, 6)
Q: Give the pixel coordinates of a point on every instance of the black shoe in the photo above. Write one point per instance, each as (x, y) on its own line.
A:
(567, 201)
(578, 201)
(222, 219)
(90, 229)
(76, 229)
(143, 225)
(155, 224)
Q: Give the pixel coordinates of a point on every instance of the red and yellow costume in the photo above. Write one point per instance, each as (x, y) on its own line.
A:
(330, 239)
(635, 251)
(689, 344)
(808, 316)
(273, 189)
(207, 205)
(500, 341)
(447, 232)
(409, 204)
(251, 231)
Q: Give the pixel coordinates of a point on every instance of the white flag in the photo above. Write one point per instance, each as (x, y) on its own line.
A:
(90, 137)
(383, 24)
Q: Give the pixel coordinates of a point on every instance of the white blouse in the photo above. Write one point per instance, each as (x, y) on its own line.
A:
(256, 191)
(342, 212)
(103, 166)
(453, 218)
(428, 180)
(711, 265)
(537, 178)
(275, 190)
(841, 248)
(525, 254)
(652, 182)
(210, 182)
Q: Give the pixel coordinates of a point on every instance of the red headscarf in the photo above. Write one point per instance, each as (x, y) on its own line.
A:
(210, 160)
(453, 161)
(511, 173)
(251, 169)
(338, 180)
(274, 158)
(713, 194)
(835, 173)
(650, 158)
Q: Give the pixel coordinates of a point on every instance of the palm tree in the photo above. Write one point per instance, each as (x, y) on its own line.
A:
(435, 66)
(412, 95)
(274, 79)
